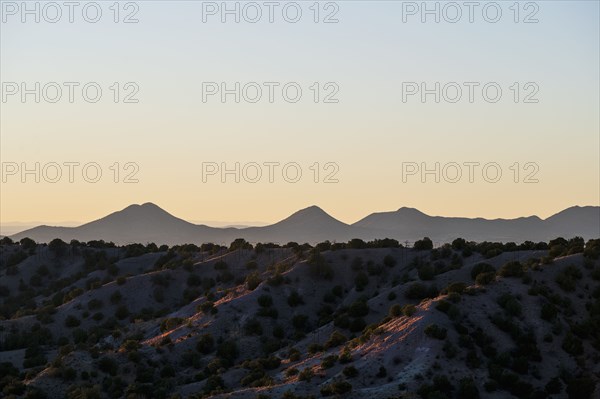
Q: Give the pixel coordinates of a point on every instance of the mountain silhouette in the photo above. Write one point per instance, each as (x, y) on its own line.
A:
(149, 223)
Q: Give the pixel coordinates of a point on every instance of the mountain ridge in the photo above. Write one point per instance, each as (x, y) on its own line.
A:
(149, 222)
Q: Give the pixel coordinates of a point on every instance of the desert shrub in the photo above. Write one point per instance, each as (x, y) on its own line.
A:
(300, 321)
(435, 331)
(416, 291)
(481, 268)
(121, 312)
(472, 360)
(194, 280)
(361, 281)
(253, 280)
(572, 345)
(335, 339)
(251, 265)
(83, 391)
(443, 306)
(295, 299)
(167, 371)
(94, 304)
(424, 244)
(467, 389)
(116, 297)
(510, 304)
(170, 323)
(338, 291)
(426, 272)
(79, 335)
(268, 312)
(358, 308)
(221, 265)
(73, 294)
(592, 249)
(276, 280)
(345, 356)
(554, 386)
(374, 269)
(314, 348)
(357, 264)
(189, 294)
(357, 324)
(342, 321)
(35, 281)
(420, 291)
(121, 280)
(328, 297)
(112, 269)
(225, 276)
(228, 351)
(160, 280)
(449, 350)
(278, 332)
(205, 344)
(318, 266)
(72, 321)
(207, 307)
(350, 371)
(253, 327)
(409, 310)
(456, 287)
(265, 300)
(159, 294)
(214, 383)
(34, 356)
(485, 278)
(108, 365)
(581, 388)
(336, 388)
(549, 312)
(328, 362)
(306, 374)
(389, 261)
(567, 278)
(512, 269)
(395, 310)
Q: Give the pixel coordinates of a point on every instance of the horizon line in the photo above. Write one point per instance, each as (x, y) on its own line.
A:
(225, 224)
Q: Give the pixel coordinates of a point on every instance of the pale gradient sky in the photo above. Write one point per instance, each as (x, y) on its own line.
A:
(369, 133)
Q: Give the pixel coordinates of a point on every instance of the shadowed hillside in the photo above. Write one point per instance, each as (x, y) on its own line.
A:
(354, 320)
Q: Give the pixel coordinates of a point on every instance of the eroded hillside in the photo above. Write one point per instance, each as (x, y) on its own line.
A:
(355, 320)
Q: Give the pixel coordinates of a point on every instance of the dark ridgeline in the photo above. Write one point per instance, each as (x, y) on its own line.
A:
(149, 223)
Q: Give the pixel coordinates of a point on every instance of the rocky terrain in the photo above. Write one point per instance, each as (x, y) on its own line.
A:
(353, 320)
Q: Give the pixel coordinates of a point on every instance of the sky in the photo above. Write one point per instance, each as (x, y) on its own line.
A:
(356, 130)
